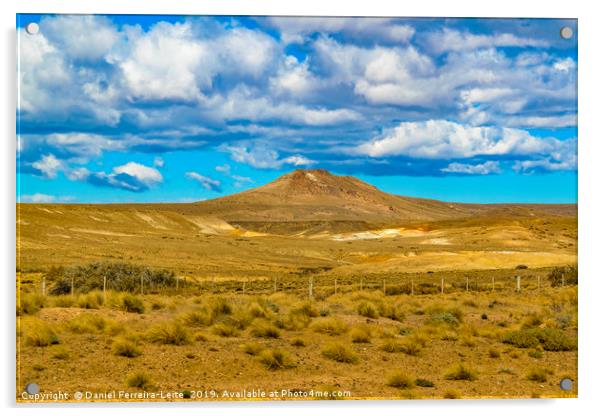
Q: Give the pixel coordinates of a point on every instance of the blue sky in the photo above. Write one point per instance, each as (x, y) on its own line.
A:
(128, 108)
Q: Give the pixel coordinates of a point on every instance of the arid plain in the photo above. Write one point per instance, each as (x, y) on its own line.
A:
(312, 282)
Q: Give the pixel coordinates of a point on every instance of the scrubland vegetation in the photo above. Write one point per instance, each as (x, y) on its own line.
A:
(371, 344)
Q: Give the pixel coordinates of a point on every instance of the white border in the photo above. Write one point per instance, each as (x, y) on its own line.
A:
(590, 207)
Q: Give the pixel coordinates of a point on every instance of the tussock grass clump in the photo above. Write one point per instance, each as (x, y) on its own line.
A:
(201, 337)
(88, 323)
(306, 309)
(64, 301)
(451, 394)
(460, 371)
(409, 347)
(493, 353)
(550, 339)
(92, 300)
(30, 303)
(169, 333)
(224, 330)
(539, 374)
(532, 320)
(293, 322)
(139, 381)
(131, 303)
(422, 382)
(197, 318)
(340, 353)
(330, 326)
(368, 309)
(400, 380)
(60, 353)
(264, 329)
(38, 333)
(255, 310)
(125, 348)
(298, 342)
(220, 306)
(252, 348)
(360, 335)
(276, 359)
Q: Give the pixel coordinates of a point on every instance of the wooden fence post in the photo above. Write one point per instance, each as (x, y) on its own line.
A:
(104, 289)
(275, 284)
(442, 283)
(361, 284)
(412, 287)
(538, 282)
(518, 283)
(467, 283)
(384, 287)
(244, 286)
(43, 285)
(493, 283)
(563, 279)
(311, 287)
(335, 286)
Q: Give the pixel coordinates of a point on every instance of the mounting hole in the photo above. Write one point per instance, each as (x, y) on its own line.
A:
(566, 32)
(32, 388)
(566, 384)
(32, 28)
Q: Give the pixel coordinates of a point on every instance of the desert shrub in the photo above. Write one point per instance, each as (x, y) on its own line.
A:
(360, 334)
(172, 333)
(224, 330)
(400, 380)
(252, 348)
(139, 381)
(539, 374)
(276, 359)
(38, 333)
(131, 303)
(484, 316)
(460, 372)
(30, 303)
(570, 274)
(264, 329)
(87, 323)
(122, 277)
(197, 318)
(298, 342)
(550, 339)
(521, 267)
(330, 326)
(340, 353)
(470, 302)
(451, 316)
(125, 348)
(368, 309)
(422, 382)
